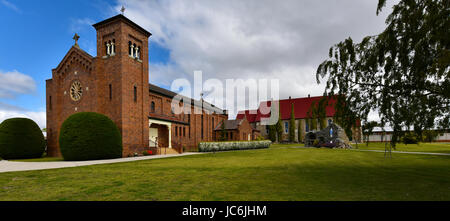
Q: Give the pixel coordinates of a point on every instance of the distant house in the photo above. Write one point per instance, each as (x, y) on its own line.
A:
(301, 108)
(380, 134)
(236, 130)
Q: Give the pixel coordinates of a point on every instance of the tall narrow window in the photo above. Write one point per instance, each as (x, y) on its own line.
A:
(130, 48)
(110, 92)
(180, 132)
(135, 93)
(286, 127)
(176, 131)
(152, 107)
(184, 131)
(202, 126)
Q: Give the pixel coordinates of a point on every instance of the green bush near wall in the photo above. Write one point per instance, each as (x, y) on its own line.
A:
(21, 138)
(90, 136)
(232, 145)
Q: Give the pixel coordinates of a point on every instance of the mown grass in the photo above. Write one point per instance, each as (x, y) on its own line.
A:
(421, 147)
(43, 159)
(268, 174)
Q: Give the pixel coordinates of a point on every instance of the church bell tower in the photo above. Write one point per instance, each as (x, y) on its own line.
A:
(122, 78)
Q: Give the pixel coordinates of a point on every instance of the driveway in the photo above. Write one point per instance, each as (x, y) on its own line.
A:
(13, 166)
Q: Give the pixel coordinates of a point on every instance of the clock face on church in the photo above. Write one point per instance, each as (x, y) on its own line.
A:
(76, 91)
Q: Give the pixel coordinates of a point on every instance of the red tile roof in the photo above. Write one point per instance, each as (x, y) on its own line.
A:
(301, 107)
(250, 114)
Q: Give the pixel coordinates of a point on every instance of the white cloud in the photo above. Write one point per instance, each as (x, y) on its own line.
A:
(14, 83)
(38, 117)
(259, 39)
(11, 6)
(80, 23)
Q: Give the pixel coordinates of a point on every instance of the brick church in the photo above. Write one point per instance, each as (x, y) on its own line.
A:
(115, 83)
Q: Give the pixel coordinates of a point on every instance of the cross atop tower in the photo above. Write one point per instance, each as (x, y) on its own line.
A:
(122, 9)
(76, 37)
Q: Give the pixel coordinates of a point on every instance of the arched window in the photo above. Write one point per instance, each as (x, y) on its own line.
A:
(134, 51)
(152, 107)
(130, 49)
(138, 53)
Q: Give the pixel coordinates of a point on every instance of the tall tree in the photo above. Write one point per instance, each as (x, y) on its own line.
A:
(300, 131)
(223, 132)
(279, 126)
(403, 72)
(272, 133)
(292, 125)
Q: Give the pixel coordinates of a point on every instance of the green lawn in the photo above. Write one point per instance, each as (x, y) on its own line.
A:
(43, 159)
(278, 173)
(421, 147)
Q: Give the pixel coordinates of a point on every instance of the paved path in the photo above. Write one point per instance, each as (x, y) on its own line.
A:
(425, 153)
(12, 166)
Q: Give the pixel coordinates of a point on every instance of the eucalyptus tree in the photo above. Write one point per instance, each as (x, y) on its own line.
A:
(402, 73)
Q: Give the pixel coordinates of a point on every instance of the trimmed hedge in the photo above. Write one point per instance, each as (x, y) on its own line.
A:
(90, 136)
(21, 138)
(232, 145)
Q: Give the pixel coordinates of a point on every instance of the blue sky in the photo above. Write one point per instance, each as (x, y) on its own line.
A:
(37, 34)
(231, 39)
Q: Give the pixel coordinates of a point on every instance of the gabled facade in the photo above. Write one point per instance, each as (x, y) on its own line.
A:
(236, 130)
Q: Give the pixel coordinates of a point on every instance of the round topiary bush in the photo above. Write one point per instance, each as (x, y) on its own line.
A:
(21, 138)
(89, 136)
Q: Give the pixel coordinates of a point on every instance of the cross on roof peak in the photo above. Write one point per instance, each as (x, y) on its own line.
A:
(76, 37)
(122, 9)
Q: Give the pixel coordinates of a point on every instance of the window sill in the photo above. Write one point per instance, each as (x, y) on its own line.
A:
(107, 56)
(136, 59)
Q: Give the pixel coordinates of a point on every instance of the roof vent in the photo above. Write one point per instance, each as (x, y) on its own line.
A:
(309, 95)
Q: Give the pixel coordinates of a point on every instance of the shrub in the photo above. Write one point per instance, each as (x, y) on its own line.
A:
(147, 152)
(259, 138)
(234, 145)
(409, 138)
(430, 135)
(89, 136)
(21, 138)
(316, 143)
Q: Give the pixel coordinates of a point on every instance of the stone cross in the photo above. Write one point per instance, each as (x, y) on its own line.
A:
(122, 9)
(76, 37)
